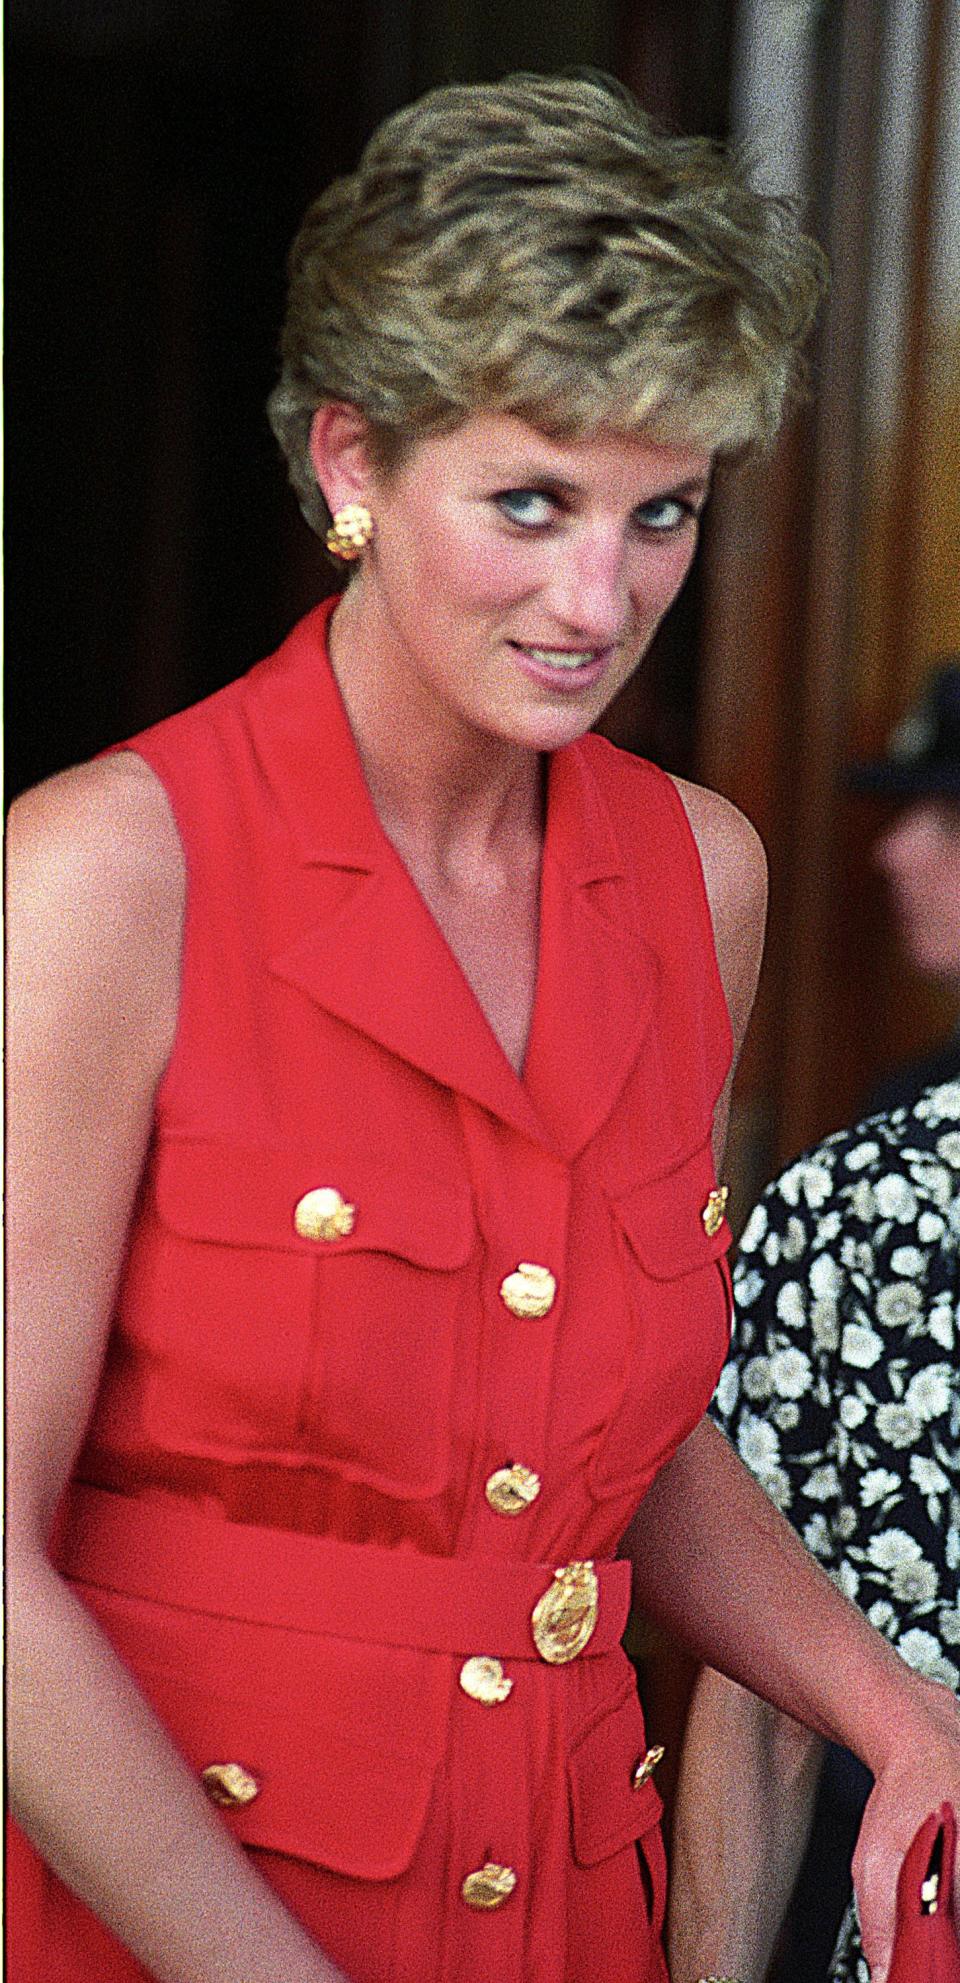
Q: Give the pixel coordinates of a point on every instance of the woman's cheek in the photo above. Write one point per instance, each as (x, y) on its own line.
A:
(661, 575)
(495, 572)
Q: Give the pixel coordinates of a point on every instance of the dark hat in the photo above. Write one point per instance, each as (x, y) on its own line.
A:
(923, 753)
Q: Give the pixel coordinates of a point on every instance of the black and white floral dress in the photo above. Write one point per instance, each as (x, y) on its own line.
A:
(842, 1390)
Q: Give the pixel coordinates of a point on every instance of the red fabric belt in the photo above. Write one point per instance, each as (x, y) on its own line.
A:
(166, 1550)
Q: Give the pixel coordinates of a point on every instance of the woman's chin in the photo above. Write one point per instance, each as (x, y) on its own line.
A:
(553, 729)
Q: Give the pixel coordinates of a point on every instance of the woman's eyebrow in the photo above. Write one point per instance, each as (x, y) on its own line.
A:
(694, 485)
(517, 475)
(534, 475)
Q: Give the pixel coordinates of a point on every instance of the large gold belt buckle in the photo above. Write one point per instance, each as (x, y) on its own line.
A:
(565, 1618)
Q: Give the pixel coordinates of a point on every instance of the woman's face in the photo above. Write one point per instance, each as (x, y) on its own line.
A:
(515, 581)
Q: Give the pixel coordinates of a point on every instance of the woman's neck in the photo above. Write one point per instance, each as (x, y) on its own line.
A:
(467, 803)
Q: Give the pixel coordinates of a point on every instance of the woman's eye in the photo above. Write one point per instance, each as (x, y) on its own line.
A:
(666, 513)
(528, 507)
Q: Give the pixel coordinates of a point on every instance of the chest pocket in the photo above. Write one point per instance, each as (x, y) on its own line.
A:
(677, 1309)
(304, 1309)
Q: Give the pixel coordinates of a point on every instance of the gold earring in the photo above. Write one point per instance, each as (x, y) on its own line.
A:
(350, 532)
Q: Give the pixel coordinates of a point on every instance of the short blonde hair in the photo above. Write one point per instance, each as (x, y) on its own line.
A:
(537, 247)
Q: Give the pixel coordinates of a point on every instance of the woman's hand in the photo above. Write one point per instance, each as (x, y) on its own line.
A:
(923, 1771)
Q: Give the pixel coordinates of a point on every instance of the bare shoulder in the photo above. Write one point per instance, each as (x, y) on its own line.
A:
(99, 840)
(112, 813)
(735, 873)
(96, 888)
(731, 850)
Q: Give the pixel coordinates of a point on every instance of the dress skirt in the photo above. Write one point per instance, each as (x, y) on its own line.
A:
(415, 1828)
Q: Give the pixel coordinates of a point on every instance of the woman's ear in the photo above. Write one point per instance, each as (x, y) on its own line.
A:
(340, 455)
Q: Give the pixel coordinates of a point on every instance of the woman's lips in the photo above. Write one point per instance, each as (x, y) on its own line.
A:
(563, 668)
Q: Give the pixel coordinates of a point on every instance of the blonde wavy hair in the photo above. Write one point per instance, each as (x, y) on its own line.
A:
(537, 247)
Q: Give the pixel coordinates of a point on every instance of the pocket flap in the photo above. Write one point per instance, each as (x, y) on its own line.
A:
(329, 1799)
(606, 1811)
(246, 1195)
(663, 1218)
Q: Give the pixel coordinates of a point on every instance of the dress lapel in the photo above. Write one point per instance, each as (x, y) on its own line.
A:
(381, 963)
(368, 950)
(598, 976)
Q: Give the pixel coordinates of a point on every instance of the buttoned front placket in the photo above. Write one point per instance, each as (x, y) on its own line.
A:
(522, 1194)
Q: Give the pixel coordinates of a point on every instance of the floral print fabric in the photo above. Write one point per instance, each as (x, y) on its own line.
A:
(842, 1389)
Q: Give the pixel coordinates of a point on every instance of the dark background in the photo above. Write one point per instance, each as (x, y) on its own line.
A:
(159, 156)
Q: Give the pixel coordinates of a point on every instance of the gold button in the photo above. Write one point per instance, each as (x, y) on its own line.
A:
(490, 1886)
(511, 1489)
(714, 1209)
(645, 1769)
(323, 1214)
(229, 1784)
(564, 1620)
(530, 1290)
(485, 1681)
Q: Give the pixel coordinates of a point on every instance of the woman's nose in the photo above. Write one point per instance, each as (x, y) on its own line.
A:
(590, 591)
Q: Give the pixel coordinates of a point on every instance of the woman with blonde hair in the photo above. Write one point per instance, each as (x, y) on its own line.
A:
(372, 1028)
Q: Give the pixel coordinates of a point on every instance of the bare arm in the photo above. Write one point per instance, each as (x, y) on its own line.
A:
(745, 1797)
(95, 905)
(723, 1571)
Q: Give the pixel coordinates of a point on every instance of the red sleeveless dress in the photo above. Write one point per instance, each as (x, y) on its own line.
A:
(400, 1335)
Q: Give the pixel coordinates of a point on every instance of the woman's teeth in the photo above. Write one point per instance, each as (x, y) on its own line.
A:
(558, 657)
